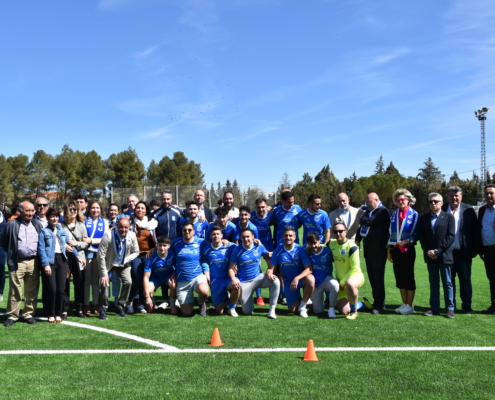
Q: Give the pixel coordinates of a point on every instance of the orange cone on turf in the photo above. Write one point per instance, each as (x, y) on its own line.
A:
(310, 352)
(215, 339)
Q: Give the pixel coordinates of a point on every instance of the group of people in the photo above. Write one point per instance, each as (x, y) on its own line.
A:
(218, 254)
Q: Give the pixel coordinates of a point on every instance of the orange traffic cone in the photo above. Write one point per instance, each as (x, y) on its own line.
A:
(310, 352)
(215, 339)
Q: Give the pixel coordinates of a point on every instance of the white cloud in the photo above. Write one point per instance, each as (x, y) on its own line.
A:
(385, 58)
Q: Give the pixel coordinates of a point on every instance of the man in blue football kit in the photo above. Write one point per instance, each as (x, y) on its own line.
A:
(159, 270)
(246, 259)
(200, 227)
(296, 272)
(286, 215)
(314, 219)
(263, 220)
(229, 230)
(322, 262)
(217, 256)
(189, 271)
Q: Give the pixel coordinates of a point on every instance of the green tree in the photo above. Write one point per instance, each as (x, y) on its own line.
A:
(92, 174)
(454, 179)
(6, 192)
(125, 169)
(430, 175)
(66, 167)
(19, 178)
(284, 183)
(380, 166)
(177, 170)
(41, 176)
(391, 170)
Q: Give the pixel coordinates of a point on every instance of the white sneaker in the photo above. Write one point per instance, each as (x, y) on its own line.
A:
(1, 298)
(232, 312)
(398, 309)
(331, 313)
(163, 305)
(271, 313)
(303, 313)
(407, 309)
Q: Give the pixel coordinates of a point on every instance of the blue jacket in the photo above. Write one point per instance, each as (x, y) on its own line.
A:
(168, 223)
(46, 244)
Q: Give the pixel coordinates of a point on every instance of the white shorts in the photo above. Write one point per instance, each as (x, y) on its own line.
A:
(185, 290)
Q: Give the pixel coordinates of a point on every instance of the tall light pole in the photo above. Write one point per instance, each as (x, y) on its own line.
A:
(481, 115)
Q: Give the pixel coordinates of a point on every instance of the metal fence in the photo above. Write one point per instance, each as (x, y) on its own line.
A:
(243, 194)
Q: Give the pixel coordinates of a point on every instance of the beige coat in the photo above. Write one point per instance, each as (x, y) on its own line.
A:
(337, 217)
(107, 254)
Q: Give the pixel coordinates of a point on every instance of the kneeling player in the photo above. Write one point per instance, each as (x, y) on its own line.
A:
(217, 256)
(246, 259)
(296, 271)
(159, 270)
(348, 272)
(321, 260)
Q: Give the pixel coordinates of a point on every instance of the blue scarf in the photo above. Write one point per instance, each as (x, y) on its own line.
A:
(95, 231)
(365, 229)
(405, 231)
(120, 248)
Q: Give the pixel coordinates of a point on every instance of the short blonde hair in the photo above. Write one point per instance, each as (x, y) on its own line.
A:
(406, 193)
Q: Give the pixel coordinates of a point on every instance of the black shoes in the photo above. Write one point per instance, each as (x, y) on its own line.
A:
(468, 310)
(30, 321)
(120, 312)
(489, 310)
(102, 313)
(377, 311)
(430, 313)
(9, 322)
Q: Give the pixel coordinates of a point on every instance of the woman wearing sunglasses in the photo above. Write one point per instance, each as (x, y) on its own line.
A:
(401, 251)
(73, 226)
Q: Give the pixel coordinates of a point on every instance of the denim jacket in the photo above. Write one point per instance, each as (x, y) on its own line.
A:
(46, 244)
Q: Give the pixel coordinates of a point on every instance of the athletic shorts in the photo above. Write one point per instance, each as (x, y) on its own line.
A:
(219, 293)
(158, 281)
(293, 295)
(343, 293)
(185, 290)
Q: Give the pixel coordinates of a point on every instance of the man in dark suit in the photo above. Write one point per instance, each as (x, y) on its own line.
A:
(437, 235)
(374, 232)
(464, 248)
(486, 241)
(205, 213)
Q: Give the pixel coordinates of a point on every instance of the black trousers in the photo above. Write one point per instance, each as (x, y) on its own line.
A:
(54, 286)
(78, 282)
(489, 260)
(375, 266)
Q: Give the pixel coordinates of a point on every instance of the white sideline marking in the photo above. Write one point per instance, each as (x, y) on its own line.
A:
(153, 343)
(171, 349)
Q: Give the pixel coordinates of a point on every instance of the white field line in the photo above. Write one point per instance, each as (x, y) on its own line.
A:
(153, 343)
(171, 349)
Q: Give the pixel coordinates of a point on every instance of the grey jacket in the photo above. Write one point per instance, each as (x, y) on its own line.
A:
(107, 254)
(10, 237)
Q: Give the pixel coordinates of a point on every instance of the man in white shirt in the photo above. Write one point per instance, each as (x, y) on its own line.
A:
(347, 215)
(486, 246)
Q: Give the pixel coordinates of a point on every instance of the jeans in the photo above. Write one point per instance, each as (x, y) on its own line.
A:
(462, 269)
(445, 272)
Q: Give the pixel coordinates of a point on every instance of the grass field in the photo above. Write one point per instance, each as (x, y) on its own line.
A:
(260, 375)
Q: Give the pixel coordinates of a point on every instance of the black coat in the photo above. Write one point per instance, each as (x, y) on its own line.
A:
(440, 238)
(375, 242)
(468, 230)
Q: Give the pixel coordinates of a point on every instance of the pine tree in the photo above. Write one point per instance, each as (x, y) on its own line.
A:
(391, 170)
(380, 166)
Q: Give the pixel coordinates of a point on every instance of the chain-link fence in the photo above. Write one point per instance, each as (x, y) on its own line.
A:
(243, 194)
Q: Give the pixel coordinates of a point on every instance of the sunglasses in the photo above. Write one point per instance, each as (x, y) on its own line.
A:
(41, 205)
(435, 201)
(400, 200)
(338, 232)
(187, 230)
(72, 209)
(317, 204)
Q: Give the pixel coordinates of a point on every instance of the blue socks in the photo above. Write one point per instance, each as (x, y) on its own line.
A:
(353, 307)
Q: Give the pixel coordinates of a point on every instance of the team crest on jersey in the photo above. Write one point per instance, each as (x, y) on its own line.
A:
(317, 218)
(173, 217)
(324, 258)
(255, 253)
(195, 245)
(342, 252)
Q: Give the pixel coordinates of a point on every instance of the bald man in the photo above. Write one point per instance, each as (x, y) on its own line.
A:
(347, 215)
(20, 242)
(374, 233)
(205, 213)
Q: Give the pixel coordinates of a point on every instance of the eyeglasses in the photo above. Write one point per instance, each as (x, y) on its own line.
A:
(41, 205)
(435, 201)
(187, 230)
(338, 232)
(317, 204)
(400, 200)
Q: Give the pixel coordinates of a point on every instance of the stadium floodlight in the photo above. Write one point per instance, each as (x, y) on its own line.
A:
(481, 115)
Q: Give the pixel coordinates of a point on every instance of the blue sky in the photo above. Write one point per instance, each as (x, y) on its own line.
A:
(251, 89)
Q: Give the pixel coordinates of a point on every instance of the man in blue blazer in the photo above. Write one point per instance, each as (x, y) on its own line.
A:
(437, 234)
